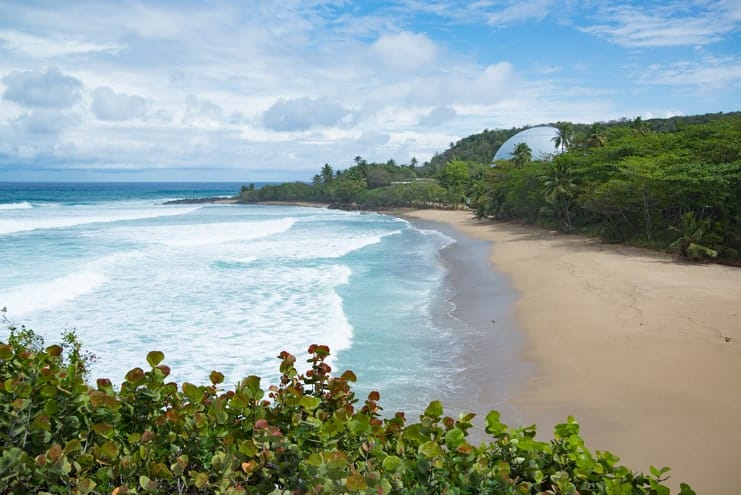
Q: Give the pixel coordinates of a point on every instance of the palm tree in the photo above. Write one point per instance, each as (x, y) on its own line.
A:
(695, 238)
(522, 155)
(641, 127)
(596, 139)
(565, 136)
(559, 190)
(327, 173)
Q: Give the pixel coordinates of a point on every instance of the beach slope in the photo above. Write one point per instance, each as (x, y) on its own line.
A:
(644, 351)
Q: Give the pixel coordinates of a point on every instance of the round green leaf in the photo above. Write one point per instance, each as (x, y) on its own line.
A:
(154, 358)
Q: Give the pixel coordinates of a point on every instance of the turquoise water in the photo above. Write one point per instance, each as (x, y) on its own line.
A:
(228, 287)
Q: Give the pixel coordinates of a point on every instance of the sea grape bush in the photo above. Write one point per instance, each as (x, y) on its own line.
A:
(307, 434)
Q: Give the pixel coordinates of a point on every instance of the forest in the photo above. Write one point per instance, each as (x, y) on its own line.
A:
(668, 184)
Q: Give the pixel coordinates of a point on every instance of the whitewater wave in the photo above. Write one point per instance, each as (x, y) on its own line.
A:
(194, 235)
(28, 298)
(318, 248)
(23, 205)
(12, 226)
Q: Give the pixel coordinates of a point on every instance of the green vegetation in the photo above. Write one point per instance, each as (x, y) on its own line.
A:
(307, 434)
(678, 189)
(637, 182)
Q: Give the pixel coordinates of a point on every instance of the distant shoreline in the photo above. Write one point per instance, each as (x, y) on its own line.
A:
(217, 200)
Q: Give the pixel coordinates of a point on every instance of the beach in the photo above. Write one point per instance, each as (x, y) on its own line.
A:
(643, 350)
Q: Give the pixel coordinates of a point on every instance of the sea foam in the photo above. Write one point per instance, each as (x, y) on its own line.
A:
(194, 235)
(23, 205)
(37, 296)
(44, 220)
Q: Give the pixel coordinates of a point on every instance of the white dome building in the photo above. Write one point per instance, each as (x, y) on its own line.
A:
(539, 139)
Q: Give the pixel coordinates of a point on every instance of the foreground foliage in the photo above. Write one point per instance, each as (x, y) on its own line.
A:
(307, 434)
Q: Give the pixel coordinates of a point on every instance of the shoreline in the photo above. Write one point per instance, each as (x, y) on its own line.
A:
(481, 315)
(644, 351)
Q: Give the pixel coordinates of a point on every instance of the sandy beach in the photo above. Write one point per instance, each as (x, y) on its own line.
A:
(644, 351)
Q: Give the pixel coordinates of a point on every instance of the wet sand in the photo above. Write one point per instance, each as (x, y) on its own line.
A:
(644, 351)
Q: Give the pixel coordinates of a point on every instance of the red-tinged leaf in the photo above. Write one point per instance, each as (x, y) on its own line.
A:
(356, 483)
(135, 376)
(109, 450)
(54, 452)
(216, 377)
(101, 428)
(54, 350)
(147, 484)
(104, 384)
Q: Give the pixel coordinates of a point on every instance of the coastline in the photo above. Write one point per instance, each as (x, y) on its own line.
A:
(477, 303)
(644, 351)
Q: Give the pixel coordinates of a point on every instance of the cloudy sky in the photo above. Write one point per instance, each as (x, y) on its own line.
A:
(271, 90)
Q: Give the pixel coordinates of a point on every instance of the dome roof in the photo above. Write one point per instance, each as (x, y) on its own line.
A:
(539, 139)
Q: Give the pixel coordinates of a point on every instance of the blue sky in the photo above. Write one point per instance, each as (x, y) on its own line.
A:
(272, 90)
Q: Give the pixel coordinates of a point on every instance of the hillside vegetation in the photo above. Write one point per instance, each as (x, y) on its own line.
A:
(671, 184)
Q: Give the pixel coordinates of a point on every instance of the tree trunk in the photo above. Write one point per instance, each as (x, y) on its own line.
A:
(647, 215)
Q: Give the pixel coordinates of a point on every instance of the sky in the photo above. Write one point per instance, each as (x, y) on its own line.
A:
(272, 90)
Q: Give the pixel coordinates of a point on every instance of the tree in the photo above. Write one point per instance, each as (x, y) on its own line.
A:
(696, 239)
(565, 136)
(327, 174)
(454, 177)
(596, 137)
(640, 126)
(559, 190)
(522, 154)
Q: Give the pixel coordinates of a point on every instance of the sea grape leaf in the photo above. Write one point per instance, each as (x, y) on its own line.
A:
(392, 463)
(154, 358)
(435, 409)
(356, 482)
(430, 449)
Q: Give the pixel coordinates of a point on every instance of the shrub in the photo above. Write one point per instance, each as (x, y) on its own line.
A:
(306, 434)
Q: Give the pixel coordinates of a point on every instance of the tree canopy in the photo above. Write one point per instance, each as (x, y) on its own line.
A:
(627, 181)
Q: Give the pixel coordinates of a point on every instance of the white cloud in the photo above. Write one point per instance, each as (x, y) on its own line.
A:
(518, 11)
(29, 45)
(45, 121)
(47, 89)
(291, 85)
(300, 114)
(404, 51)
(202, 112)
(476, 85)
(670, 24)
(437, 116)
(108, 105)
(707, 73)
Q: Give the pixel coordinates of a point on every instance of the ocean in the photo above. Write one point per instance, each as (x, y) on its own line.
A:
(228, 287)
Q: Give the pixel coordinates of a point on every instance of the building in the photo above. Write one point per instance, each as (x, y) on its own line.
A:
(539, 139)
